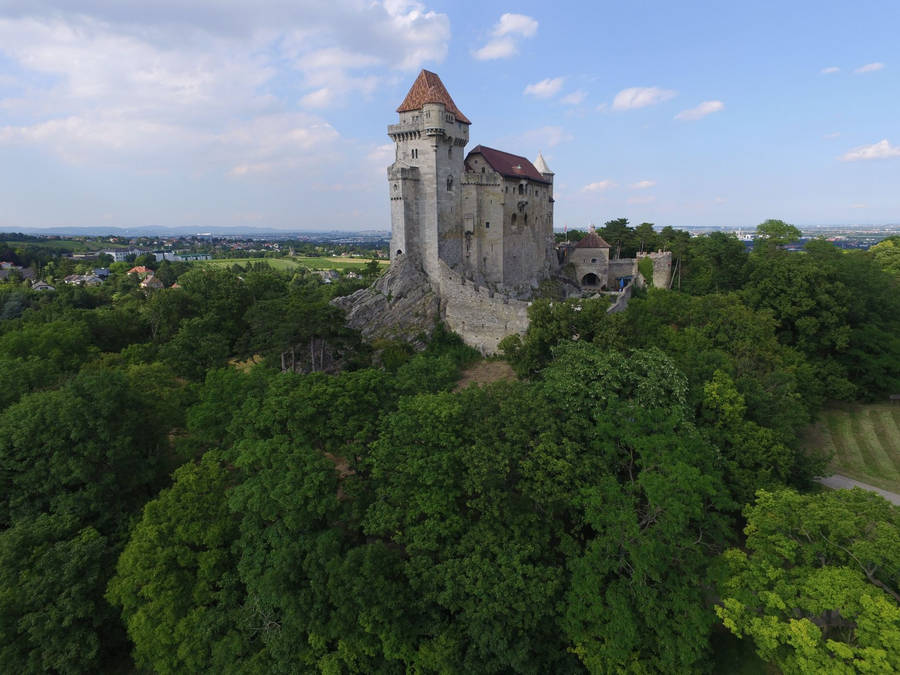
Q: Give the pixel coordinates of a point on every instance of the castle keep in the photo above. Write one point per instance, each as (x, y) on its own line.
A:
(487, 215)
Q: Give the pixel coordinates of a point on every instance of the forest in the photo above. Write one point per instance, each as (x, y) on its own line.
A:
(221, 477)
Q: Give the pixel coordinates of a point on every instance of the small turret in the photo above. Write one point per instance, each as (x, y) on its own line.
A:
(542, 167)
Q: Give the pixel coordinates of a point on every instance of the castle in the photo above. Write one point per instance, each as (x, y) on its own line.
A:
(487, 214)
(472, 234)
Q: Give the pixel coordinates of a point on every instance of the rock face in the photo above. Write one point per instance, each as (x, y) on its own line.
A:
(401, 305)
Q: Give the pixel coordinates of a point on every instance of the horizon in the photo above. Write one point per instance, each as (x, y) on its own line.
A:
(274, 117)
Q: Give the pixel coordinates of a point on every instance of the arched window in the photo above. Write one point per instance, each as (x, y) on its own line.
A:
(521, 189)
(449, 183)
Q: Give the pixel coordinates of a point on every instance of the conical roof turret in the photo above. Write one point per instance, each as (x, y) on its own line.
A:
(541, 165)
(428, 88)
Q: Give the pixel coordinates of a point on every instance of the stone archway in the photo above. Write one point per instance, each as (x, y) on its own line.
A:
(590, 280)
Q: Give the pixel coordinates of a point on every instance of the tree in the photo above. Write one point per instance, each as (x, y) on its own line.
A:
(773, 233)
(810, 303)
(617, 234)
(553, 322)
(817, 589)
(649, 513)
(645, 237)
(92, 449)
(714, 262)
(887, 254)
(177, 583)
(53, 618)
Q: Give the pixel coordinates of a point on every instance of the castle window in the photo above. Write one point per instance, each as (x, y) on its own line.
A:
(487, 225)
(521, 189)
(482, 169)
(449, 183)
(450, 151)
(512, 220)
(525, 219)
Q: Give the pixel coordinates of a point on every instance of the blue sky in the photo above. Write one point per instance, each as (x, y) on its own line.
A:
(273, 114)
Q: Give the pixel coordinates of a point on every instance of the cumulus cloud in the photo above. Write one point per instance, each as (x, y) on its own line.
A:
(702, 110)
(118, 81)
(546, 88)
(575, 98)
(640, 97)
(598, 186)
(642, 184)
(880, 150)
(869, 67)
(829, 70)
(505, 36)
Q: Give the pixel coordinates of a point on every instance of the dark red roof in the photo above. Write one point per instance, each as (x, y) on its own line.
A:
(428, 88)
(591, 240)
(511, 166)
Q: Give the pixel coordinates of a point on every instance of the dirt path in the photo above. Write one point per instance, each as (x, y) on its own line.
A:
(838, 482)
(485, 372)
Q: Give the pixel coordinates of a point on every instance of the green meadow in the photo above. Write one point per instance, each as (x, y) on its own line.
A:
(291, 264)
(864, 441)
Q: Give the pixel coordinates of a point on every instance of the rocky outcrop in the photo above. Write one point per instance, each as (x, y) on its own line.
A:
(401, 305)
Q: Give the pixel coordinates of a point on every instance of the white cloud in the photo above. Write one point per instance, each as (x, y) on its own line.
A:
(212, 84)
(642, 184)
(702, 110)
(603, 107)
(829, 70)
(644, 199)
(640, 97)
(516, 24)
(575, 98)
(832, 135)
(869, 67)
(545, 88)
(598, 186)
(504, 37)
(859, 206)
(880, 150)
(501, 48)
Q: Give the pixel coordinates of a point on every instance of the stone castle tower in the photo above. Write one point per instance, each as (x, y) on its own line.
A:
(426, 176)
(487, 216)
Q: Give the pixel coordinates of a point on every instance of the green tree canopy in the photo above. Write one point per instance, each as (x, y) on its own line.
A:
(818, 586)
(772, 233)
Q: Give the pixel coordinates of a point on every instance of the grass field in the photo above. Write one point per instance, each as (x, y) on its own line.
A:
(51, 243)
(291, 264)
(865, 442)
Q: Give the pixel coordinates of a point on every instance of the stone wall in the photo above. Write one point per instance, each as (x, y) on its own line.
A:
(662, 267)
(621, 267)
(482, 318)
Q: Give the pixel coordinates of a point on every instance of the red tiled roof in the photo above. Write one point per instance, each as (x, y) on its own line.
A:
(592, 240)
(428, 88)
(140, 269)
(508, 165)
